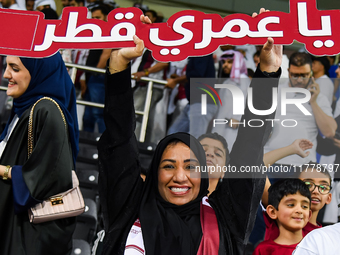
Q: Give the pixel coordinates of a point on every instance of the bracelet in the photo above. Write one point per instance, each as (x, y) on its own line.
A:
(5, 177)
(146, 71)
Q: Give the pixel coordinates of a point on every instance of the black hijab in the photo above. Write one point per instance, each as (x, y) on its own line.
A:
(169, 228)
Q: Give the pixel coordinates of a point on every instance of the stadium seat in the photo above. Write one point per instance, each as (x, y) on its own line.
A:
(86, 226)
(80, 247)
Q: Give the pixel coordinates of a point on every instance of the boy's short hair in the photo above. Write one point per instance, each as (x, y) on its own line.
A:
(220, 138)
(324, 61)
(286, 187)
(317, 168)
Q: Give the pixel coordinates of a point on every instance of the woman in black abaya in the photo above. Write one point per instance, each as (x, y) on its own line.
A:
(27, 181)
(169, 214)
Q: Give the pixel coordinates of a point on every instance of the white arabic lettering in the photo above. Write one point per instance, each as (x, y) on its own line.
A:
(226, 31)
(72, 32)
(177, 27)
(48, 39)
(303, 23)
(262, 27)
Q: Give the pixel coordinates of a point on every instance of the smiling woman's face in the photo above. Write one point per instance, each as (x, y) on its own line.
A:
(175, 185)
(18, 77)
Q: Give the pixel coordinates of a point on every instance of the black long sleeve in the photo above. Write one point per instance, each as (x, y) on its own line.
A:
(119, 179)
(236, 200)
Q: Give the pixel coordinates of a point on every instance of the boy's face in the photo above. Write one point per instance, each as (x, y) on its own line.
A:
(318, 200)
(293, 212)
(215, 154)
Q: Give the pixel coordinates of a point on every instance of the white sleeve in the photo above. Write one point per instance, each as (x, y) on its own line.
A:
(307, 246)
(322, 241)
(262, 207)
(303, 251)
(331, 210)
(326, 87)
(337, 109)
(324, 104)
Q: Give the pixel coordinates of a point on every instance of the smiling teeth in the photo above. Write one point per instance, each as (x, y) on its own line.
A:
(316, 200)
(179, 189)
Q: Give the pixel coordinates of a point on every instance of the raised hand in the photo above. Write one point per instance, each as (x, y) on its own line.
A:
(271, 55)
(120, 58)
(300, 146)
(314, 89)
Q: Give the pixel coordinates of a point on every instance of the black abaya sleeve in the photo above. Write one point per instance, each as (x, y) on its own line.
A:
(119, 179)
(236, 200)
(47, 172)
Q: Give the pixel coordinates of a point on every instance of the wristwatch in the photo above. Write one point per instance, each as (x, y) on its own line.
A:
(5, 177)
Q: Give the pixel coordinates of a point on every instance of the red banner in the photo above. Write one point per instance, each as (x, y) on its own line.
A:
(186, 33)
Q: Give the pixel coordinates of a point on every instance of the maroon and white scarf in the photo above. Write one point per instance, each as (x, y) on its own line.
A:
(210, 239)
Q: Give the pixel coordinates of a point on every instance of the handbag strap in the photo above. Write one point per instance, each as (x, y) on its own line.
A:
(30, 123)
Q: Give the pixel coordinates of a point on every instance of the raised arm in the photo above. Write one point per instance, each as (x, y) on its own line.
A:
(120, 59)
(236, 199)
(299, 147)
(120, 185)
(325, 123)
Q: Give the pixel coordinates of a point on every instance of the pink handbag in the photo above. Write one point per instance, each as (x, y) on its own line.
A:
(63, 205)
(66, 204)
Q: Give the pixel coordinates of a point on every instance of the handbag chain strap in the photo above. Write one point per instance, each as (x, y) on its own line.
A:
(30, 123)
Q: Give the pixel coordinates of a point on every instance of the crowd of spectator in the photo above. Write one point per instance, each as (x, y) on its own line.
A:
(311, 201)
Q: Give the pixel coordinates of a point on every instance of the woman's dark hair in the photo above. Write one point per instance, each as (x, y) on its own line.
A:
(220, 138)
(286, 187)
